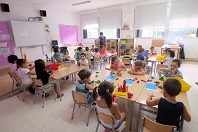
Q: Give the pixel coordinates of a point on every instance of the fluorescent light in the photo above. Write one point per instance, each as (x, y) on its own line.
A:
(80, 3)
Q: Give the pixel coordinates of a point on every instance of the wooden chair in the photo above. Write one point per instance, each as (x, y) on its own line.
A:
(97, 60)
(82, 100)
(151, 126)
(42, 89)
(108, 120)
(161, 66)
(11, 74)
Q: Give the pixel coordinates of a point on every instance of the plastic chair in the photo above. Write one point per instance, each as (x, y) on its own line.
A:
(151, 126)
(42, 89)
(11, 74)
(108, 120)
(82, 100)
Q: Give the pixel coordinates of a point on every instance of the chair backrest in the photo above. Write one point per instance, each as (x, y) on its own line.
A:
(153, 126)
(96, 58)
(73, 61)
(161, 66)
(37, 82)
(79, 97)
(12, 76)
(105, 118)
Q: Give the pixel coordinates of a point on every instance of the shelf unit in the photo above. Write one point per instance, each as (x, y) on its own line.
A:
(125, 44)
(110, 43)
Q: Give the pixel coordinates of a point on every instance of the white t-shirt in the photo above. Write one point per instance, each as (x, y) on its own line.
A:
(84, 61)
(13, 68)
(168, 61)
(96, 54)
(25, 77)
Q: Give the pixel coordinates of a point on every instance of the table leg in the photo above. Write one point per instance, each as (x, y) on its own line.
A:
(138, 117)
(131, 114)
(59, 89)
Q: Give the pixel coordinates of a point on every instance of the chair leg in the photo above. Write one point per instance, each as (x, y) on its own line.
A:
(88, 115)
(97, 126)
(35, 97)
(23, 94)
(12, 85)
(18, 91)
(73, 110)
(43, 99)
(54, 95)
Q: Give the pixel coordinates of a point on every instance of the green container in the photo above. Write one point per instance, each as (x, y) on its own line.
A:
(123, 41)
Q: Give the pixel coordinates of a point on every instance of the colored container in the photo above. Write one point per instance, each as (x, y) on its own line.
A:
(159, 57)
(53, 66)
(185, 85)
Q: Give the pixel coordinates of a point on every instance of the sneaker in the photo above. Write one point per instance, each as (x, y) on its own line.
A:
(58, 96)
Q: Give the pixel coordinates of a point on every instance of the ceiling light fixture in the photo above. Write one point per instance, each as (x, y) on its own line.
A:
(80, 3)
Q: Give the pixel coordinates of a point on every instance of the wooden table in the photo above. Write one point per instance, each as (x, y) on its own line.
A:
(71, 69)
(135, 88)
(182, 97)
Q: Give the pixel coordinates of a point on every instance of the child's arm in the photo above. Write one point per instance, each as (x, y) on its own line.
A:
(116, 111)
(84, 63)
(88, 86)
(32, 73)
(32, 67)
(186, 115)
(150, 101)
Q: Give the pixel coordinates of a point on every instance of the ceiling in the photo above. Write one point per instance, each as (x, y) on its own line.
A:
(67, 4)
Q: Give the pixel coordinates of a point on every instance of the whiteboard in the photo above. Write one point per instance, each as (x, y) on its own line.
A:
(28, 33)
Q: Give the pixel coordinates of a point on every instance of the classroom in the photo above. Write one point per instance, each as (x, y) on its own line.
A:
(98, 65)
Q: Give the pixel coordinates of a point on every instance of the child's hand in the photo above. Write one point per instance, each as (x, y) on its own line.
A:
(116, 100)
(150, 95)
(129, 71)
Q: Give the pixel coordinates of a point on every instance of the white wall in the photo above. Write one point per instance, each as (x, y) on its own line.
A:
(54, 18)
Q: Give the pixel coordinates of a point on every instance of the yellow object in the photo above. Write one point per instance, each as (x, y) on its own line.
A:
(154, 98)
(185, 85)
(24, 54)
(159, 57)
(61, 69)
(119, 93)
(161, 91)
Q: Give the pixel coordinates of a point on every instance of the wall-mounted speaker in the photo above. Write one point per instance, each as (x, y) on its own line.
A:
(5, 7)
(43, 13)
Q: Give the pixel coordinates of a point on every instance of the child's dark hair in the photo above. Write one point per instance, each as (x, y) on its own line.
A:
(96, 49)
(113, 47)
(141, 50)
(172, 53)
(178, 62)
(39, 65)
(105, 90)
(56, 50)
(20, 62)
(152, 47)
(138, 63)
(79, 48)
(87, 48)
(83, 54)
(101, 33)
(172, 86)
(92, 44)
(12, 58)
(84, 74)
(114, 58)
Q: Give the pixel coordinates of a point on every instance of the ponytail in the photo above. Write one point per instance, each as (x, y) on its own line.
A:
(95, 93)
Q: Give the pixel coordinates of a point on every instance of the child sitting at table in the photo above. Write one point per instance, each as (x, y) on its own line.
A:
(137, 68)
(117, 64)
(83, 61)
(97, 54)
(24, 74)
(104, 104)
(169, 57)
(83, 85)
(113, 50)
(152, 51)
(78, 54)
(169, 110)
(102, 48)
(57, 55)
(13, 60)
(173, 70)
(93, 48)
(45, 77)
(88, 53)
(66, 54)
(137, 49)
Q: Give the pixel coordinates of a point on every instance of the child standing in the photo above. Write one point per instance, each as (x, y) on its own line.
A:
(117, 64)
(42, 74)
(169, 110)
(169, 57)
(88, 53)
(83, 61)
(173, 70)
(57, 55)
(13, 60)
(104, 104)
(83, 85)
(137, 69)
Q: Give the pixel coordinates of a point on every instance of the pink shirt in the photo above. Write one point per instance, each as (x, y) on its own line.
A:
(114, 52)
(13, 68)
(118, 66)
(141, 70)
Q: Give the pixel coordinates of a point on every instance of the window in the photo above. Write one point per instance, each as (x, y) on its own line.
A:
(154, 33)
(92, 31)
(183, 32)
(110, 33)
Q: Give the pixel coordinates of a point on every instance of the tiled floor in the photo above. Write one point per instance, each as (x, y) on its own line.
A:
(24, 116)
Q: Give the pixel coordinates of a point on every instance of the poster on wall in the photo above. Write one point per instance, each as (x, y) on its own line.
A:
(6, 47)
(68, 34)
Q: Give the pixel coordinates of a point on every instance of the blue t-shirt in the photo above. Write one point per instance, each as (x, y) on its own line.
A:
(140, 57)
(56, 56)
(81, 87)
(168, 113)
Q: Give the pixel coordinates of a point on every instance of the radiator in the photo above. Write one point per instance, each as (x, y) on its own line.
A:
(191, 51)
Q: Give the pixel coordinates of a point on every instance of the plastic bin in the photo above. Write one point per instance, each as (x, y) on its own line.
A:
(53, 66)
(159, 57)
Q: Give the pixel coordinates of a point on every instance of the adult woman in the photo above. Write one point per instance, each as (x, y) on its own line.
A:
(102, 40)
